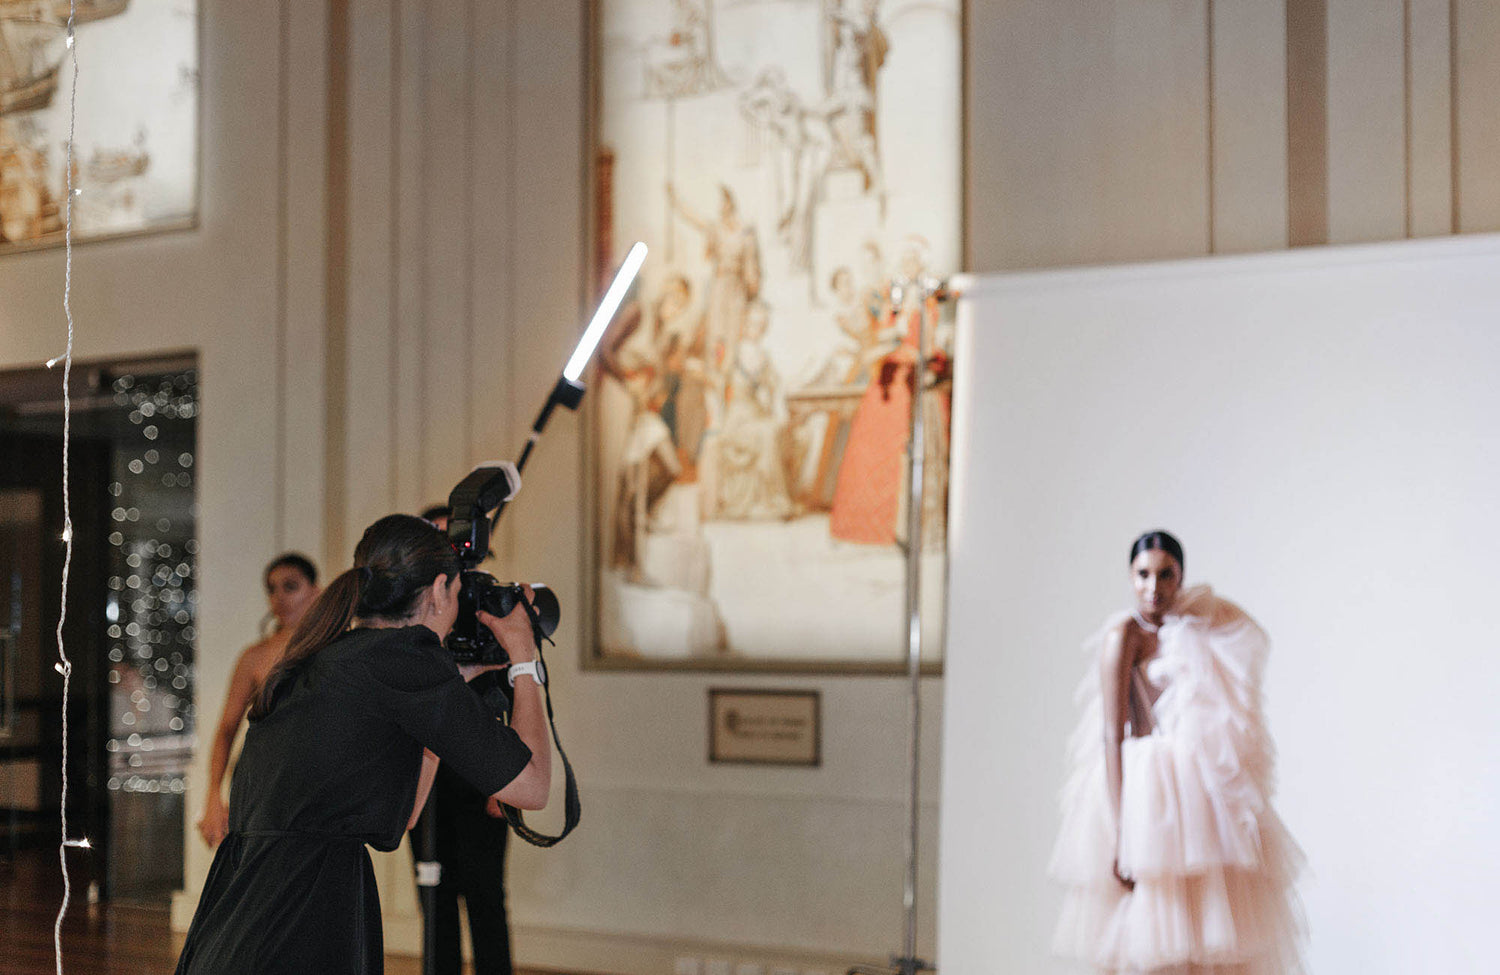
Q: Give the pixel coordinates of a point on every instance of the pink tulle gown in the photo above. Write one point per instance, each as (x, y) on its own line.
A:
(1212, 863)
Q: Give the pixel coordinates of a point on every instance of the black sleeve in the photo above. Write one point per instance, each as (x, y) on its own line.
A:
(420, 686)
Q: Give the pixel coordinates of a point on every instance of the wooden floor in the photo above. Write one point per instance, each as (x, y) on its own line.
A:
(97, 939)
(112, 939)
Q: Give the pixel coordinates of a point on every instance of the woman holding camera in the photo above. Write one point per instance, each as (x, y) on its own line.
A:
(344, 740)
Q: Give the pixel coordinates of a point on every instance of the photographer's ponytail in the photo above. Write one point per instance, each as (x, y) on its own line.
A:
(324, 620)
(397, 558)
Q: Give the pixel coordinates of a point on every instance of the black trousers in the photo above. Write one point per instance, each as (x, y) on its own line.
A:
(471, 849)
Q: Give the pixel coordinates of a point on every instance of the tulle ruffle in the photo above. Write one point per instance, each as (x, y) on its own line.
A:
(1212, 863)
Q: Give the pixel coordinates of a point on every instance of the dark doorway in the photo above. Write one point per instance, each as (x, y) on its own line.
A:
(31, 564)
(131, 623)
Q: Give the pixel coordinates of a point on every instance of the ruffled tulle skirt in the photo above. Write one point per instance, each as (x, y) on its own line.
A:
(1212, 863)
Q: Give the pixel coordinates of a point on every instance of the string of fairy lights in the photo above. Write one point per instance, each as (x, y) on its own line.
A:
(151, 604)
(64, 666)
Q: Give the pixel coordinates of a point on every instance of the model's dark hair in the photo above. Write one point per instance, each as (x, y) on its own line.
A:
(397, 558)
(291, 560)
(1161, 540)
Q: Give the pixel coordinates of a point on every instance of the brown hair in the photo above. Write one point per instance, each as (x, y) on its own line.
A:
(396, 559)
(291, 560)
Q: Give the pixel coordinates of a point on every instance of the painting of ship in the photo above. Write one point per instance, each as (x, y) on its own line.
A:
(146, 84)
(30, 53)
(88, 11)
(57, 11)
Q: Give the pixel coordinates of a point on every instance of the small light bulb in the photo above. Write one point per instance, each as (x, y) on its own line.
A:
(63, 668)
(70, 40)
(67, 534)
(82, 844)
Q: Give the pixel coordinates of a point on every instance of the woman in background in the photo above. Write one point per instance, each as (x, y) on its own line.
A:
(1173, 858)
(291, 586)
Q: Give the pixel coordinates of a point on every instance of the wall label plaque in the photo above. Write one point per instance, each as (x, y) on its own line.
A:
(764, 727)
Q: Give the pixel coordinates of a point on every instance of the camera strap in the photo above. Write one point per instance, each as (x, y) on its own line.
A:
(572, 809)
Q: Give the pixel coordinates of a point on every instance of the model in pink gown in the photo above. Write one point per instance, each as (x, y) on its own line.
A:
(1212, 863)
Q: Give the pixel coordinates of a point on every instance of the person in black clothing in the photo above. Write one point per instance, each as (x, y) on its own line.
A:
(344, 740)
(471, 840)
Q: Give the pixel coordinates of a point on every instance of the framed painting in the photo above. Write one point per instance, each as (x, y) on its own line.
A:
(794, 166)
(135, 157)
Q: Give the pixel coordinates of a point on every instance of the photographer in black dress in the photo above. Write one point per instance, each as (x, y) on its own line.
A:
(344, 740)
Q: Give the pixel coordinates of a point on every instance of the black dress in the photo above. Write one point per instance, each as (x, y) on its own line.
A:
(334, 766)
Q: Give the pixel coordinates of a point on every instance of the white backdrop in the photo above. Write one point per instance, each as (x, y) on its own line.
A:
(1322, 431)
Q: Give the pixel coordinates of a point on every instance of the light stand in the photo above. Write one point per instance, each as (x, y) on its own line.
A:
(907, 963)
(492, 487)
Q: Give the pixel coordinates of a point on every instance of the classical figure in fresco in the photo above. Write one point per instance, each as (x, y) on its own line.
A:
(750, 455)
(821, 434)
(870, 494)
(677, 338)
(648, 462)
(734, 255)
(802, 147)
(683, 64)
(648, 467)
(858, 49)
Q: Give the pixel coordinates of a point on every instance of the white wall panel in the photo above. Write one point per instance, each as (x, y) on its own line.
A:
(446, 226)
(1156, 188)
(369, 394)
(1477, 33)
(1366, 127)
(304, 205)
(408, 267)
(1248, 117)
(497, 296)
(1036, 95)
(1430, 134)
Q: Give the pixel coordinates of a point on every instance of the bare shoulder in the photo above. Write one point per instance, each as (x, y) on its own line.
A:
(259, 657)
(1116, 640)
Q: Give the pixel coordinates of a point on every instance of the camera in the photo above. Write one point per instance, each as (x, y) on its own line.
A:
(488, 487)
(471, 642)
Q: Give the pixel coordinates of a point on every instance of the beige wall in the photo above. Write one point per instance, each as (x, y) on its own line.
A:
(361, 349)
(1102, 130)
